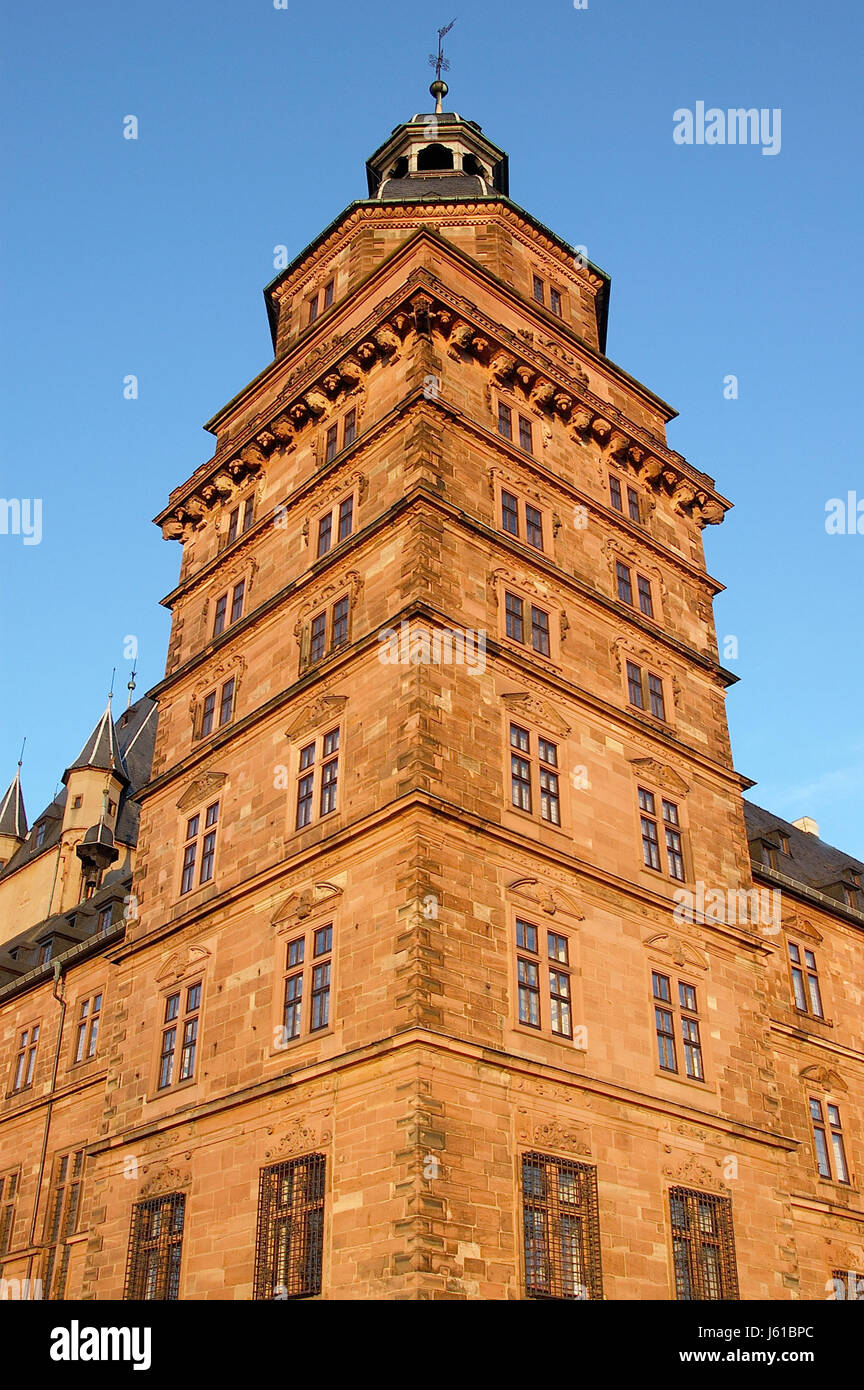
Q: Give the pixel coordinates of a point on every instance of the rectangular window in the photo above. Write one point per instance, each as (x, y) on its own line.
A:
(560, 1012)
(331, 447)
(674, 848)
(677, 1018)
(325, 534)
(25, 1058)
(703, 1245)
(805, 980)
(179, 1036)
(289, 1243)
(505, 420)
(155, 1249)
(339, 624)
(657, 704)
(305, 786)
(226, 702)
(509, 513)
(61, 1221)
(624, 583)
(248, 513)
(650, 840)
(346, 518)
(8, 1193)
(538, 288)
(525, 439)
(828, 1141)
(315, 960)
(634, 685)
(233, 526)
(633, 505)
(540, 631)
(329, 290)
(220, 615)
(615, 493)
(207, 846)
(237, 601)
(105, 919)
(89, 1013)
(327, 759)
(561, 1228)
(349, 429)
(329, 772)
(313, 308)
(555, 301)
(514, 617)
(646, 603)
(318, 637)
(533, 527)
(550, 802)
(208, 712)
(520, 768)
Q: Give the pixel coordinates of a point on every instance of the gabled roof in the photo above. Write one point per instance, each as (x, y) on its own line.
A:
(101, 750)
(13, 817)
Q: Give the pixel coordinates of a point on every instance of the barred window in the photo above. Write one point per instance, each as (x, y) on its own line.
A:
(61, 1221)
(561, 1228)
(703, 1245)
(155, 1249)
(290, 1235)
(8, 1193)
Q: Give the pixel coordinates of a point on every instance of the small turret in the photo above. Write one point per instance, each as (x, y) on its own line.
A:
(13, 820)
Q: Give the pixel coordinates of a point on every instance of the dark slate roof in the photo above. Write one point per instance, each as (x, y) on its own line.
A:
(133, 736)
(13, 817)
(810, 861)
(431, 186)
(101, 750)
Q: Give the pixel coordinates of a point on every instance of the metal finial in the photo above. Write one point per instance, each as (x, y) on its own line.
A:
(111, 691)
(440, 64)
(131, 686)
(21, 759)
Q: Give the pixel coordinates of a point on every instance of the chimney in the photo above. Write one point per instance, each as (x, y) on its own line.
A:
(807, 825)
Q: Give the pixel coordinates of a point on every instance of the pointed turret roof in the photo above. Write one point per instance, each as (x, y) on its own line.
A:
(13, 817)
(101, 750)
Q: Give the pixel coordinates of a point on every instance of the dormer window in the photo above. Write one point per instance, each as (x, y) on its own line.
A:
(400, 169)
(40, 835)
(434, 157)
(471, 165)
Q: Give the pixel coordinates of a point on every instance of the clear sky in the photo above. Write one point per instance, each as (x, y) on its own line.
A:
(147, 257)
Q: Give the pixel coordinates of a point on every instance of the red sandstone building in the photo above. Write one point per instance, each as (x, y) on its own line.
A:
(417, 958)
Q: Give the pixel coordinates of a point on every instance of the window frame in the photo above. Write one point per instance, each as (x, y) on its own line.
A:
(163, 1244)
(639, 677)
(25, 1057)
(334, 620)
(85, 1040)
(189, 993)
(541, 520)
(807, 976)
(544, 986)
(832, 1139)
(304, 1220)
(205, 839)
(684, 1018)
(656, 807)
(721, 1240)
(542, 1197)
(305, 968)
(328, 522)
(545, 780)
(310, 776)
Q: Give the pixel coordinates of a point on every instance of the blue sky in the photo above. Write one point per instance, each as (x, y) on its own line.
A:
(148, 257)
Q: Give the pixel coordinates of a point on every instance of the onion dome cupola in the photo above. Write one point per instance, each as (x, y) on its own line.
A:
(437, 155)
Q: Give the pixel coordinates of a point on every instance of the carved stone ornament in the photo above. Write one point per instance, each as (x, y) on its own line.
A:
(823, 1077)
(299, 907)
(185, 961)
(550, 901)
(163, 1180)
(797, 925)
(553, 1137)
(520, 703)
(298, 1139)
(681, 952)
(690, 1173)
(660, 774)
(205, 785)
(325, 710)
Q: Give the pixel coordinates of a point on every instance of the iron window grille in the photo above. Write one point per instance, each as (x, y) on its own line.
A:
(561, 1228)
(155, 1249)
(61, 1222)
(703, 1245)
(290, 1235)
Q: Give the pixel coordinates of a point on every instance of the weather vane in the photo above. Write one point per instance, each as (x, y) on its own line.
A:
(437, 60)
